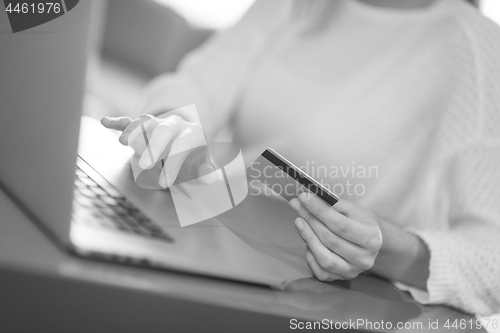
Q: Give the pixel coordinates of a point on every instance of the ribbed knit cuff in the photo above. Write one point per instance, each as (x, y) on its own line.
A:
(442, 281)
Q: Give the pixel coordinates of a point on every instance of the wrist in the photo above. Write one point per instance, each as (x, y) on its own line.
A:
(404, 257)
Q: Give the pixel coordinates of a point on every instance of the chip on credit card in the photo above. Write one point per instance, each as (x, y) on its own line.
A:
(285, 179)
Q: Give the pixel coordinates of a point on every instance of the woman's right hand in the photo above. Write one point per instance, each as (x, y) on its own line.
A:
(168, 131)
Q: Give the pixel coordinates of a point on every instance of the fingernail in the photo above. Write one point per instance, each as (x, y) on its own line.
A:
(295, 204)
(299, 224)
(162, 181)
(165, 182)
(305, 197)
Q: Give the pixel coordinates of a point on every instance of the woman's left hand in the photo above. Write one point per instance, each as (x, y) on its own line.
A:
(342, 241)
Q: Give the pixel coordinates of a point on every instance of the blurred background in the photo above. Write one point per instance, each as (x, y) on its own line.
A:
(136, 40)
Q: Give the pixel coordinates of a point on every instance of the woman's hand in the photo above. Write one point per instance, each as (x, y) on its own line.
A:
(170, 132)
(342, 241)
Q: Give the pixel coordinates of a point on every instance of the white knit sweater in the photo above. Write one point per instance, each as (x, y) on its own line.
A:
(413, 94)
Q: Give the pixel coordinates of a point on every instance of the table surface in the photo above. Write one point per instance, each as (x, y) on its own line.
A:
(43, 288)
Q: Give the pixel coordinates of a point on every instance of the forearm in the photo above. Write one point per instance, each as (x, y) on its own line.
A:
(403, 257)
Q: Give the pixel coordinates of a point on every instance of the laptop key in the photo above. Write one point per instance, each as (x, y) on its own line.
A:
(86, 192)
(80, 173)
(79, 183)
(84, 201)
(127, 205)
(89, 182)
(130, 222)
(100, 205)
(99, 191)
(110, 201)
(112, 192)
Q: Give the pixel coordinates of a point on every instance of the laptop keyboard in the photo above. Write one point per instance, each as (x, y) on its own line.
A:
(102, 206)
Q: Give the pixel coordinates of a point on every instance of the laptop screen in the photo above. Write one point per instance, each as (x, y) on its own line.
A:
(42, 74)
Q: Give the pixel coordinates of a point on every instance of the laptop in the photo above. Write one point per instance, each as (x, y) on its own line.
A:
(73, 179)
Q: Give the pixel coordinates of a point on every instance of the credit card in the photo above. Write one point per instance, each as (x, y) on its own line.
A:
(285, 179)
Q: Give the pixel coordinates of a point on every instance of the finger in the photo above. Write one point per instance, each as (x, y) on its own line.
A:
(171, 167)
(300, 209)
(139, 137)
(348, 251)
(310, 238)
(352, 254)
(187, 141)
(207, 175)
(132, 132)
(326, 259)
(306, 214)
(347, 208)
(207, 168)
(116, 123)
(318, 272)
(173, 163)
(318, 207)
(341, 225)
(160, 139)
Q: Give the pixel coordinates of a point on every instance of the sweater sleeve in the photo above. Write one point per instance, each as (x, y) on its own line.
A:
(465, 258)
(213, 75)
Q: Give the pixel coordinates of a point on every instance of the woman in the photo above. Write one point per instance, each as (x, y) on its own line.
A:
(410, 89)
